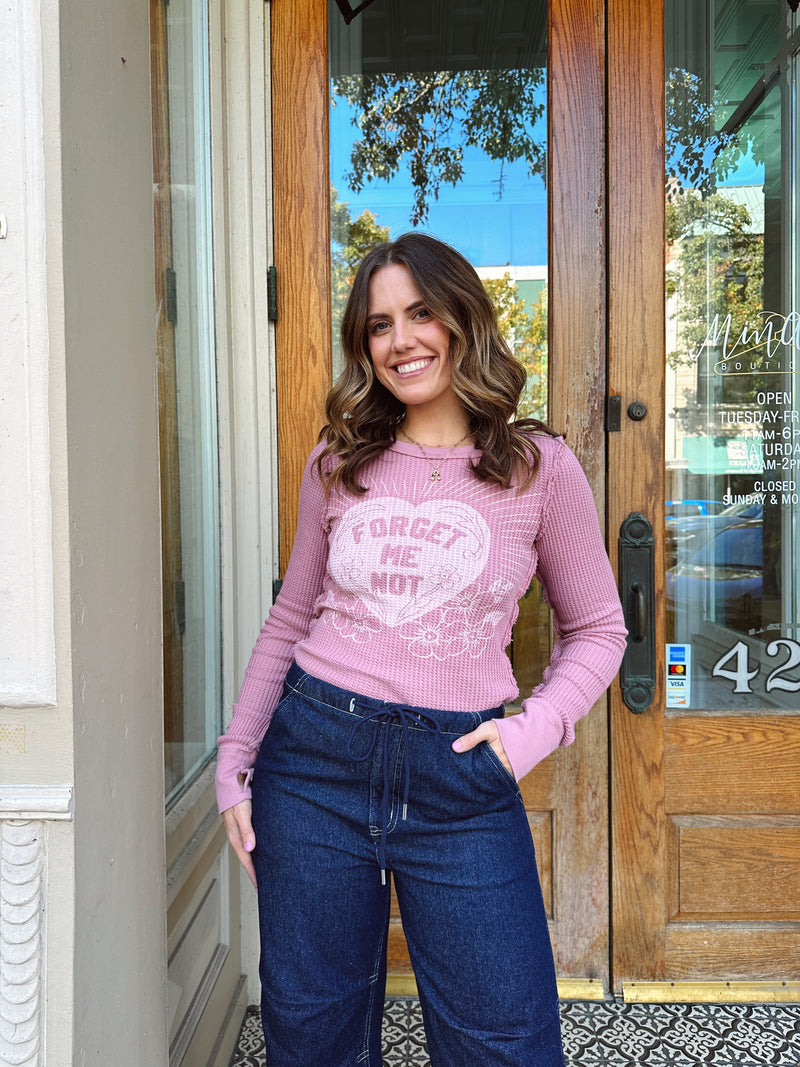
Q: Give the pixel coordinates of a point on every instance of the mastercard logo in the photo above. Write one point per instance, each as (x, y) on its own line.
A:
(677, 668)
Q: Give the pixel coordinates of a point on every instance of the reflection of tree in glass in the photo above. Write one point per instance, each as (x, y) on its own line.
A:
(532, 350)
(692, 142)
(716, 267)
(697, 153)
(350, 242)
(526, 335)
(427, 118)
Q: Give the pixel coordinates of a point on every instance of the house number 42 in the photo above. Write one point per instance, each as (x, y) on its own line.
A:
(734, 666)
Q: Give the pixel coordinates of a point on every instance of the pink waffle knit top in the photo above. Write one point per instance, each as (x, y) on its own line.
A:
(409, 592)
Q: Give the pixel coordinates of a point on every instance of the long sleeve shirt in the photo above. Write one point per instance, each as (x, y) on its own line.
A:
(409, 593)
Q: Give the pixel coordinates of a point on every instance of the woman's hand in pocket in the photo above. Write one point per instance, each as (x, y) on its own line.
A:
(487, 731)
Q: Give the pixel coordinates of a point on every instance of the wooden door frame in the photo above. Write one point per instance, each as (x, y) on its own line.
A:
(577, 324)
(577, 312)
(299, 50)
(636, 339)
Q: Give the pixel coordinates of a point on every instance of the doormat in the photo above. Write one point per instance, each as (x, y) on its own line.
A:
(609, 1034)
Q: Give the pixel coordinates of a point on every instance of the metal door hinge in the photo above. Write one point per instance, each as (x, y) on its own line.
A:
(613, 413)
(272, 294)
(276, 588)
(179, 589)
(172, 296)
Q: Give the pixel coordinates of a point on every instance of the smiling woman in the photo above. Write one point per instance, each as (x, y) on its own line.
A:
(474, 393)
(410, 351)
(371, 717)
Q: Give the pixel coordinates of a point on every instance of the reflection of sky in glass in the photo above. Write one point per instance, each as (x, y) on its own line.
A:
(490, 231)
(747, 172)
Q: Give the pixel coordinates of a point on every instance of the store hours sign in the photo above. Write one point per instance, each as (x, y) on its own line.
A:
(733, 576)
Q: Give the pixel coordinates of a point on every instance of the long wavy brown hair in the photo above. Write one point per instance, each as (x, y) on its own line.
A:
(364, 417)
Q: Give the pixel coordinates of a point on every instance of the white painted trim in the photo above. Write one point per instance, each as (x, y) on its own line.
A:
(22, 933)
(190, 1021)
(247, 379)
(43, 802)
(214, 887)
(184, 864)
(27, 637)
(187, 800)
(243, 228)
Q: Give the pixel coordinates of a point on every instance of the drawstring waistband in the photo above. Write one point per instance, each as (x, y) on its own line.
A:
(404, 717)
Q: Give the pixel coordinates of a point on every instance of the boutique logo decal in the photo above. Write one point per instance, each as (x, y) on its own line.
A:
(403, 560)
(767, 347)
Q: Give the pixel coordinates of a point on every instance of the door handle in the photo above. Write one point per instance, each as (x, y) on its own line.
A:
(636, 585)
(640, 612)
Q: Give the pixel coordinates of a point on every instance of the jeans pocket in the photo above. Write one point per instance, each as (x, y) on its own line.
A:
(499, 772)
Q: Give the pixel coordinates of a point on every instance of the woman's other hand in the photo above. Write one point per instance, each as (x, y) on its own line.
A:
(487, 731)
(239, 828)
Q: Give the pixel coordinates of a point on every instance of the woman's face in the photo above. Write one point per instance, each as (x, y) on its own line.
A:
(410, 349)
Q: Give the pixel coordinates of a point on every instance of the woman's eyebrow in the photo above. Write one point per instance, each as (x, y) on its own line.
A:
(384, 315)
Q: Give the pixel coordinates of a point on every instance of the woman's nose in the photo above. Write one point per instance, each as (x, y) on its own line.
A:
(402, 337)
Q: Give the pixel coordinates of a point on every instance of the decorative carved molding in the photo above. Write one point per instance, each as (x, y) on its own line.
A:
(21, 941)
(36, 802)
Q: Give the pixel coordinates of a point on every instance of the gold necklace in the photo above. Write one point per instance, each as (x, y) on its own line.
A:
(435, 465)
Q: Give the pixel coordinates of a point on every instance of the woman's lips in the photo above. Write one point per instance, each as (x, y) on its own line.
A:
(411, 368)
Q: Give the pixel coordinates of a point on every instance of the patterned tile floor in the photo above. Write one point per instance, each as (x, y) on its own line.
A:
(609, 1034)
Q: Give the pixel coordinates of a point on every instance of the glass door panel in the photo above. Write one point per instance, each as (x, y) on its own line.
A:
(186, 390)
(438, 120)
(733, 411)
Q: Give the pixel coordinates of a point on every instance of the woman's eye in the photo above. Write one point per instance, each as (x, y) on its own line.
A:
(423, 313)
(379, 326)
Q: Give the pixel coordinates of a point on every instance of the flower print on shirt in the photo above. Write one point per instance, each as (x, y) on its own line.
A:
(479, 632)
(427, 638)
(500, 589)
(476, 602)
(444, 579)
(463, 626)
(465, 602)
(355, 622)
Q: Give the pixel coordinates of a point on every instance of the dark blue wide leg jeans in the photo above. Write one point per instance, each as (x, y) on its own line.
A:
(335, 775)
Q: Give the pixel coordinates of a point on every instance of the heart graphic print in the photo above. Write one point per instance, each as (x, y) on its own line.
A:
(403, 560)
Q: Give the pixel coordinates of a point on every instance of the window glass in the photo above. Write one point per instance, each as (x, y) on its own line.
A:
(187, 389)
(732, 398)
(438, 121)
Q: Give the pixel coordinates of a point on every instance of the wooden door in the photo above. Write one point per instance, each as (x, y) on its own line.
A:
(706, 792)
(695, 822)
(567, 796)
